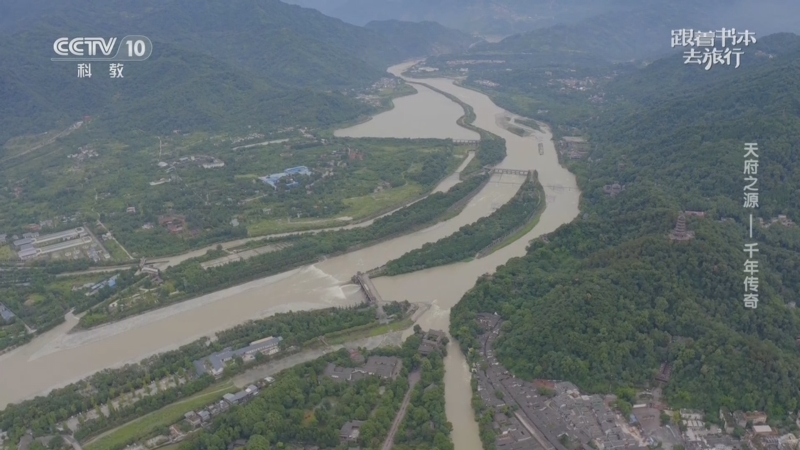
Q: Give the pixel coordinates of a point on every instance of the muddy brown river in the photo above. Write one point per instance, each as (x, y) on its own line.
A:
(58, 358)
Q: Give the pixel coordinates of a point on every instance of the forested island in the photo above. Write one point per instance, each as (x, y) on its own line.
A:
(478, 237)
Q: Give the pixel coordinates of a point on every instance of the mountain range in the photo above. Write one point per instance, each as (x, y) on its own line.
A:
(213, 64)
(507, 17)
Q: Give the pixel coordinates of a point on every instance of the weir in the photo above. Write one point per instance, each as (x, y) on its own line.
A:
(373, 297)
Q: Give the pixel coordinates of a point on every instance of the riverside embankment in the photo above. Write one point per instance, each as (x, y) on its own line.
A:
(57, 358)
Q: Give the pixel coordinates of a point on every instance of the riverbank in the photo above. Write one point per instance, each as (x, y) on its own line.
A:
(55, 359)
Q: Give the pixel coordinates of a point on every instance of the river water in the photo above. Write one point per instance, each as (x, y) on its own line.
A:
(58, 358)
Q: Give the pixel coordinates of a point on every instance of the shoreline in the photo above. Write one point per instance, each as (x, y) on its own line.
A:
(311, 287)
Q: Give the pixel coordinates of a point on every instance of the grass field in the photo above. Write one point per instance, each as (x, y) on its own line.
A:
(274, 226)
(7, 254)
(530, 123)
(143, 426)
(360, 207)
(116, 252)
(351, 335)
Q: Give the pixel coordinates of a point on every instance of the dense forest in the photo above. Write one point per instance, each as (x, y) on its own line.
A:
(192, 280)
(304, 407)
(475, 237)
(42, 413)
(604, 301)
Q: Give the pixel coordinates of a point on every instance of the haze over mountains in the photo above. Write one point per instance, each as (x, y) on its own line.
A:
(507, 17)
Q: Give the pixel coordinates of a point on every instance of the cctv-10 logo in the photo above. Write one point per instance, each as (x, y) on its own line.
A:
(131, 48)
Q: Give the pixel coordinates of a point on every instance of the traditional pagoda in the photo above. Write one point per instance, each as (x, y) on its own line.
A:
(680, 233)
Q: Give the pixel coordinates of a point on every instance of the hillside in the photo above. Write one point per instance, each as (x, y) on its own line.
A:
(607, 299)
(276, 41)
(422, 38)
(174, 89)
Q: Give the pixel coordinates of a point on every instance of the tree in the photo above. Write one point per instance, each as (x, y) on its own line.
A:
(257, 442)
(417, 329)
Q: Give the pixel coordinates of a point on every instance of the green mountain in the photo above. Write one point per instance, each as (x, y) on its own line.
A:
(489, 17)
(422, 38)
(274, 40)
(174, 89)
(215, 65)
(607, 299)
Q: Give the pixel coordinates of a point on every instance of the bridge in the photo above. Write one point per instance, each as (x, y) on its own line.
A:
(373, 297)
(465, 142)
(558, 187)
(511, 172)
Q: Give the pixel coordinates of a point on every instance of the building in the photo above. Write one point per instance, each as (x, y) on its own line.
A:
(213, 165)
(680, 233)
(613, 189)
(61, 236)
(6, 313)
(85, 240)
(381, 366)
(272, 180)
(267, 346)
(301, 170)
(205, 416)
(131, 210)
(241, 396)
(24, 241)
(193, 419)
(762, 429)
(3, 238)
(28, 253)
(757, 417)
(432, 341)
(350, 431)
(728, 422)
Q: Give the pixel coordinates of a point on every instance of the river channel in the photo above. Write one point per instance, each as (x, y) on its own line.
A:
(58, 358)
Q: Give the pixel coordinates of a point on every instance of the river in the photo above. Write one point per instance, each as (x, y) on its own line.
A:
(58, 358)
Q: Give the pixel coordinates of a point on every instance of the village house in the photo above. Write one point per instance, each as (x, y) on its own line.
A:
(267, 346)
(350, 431)
(432, 341)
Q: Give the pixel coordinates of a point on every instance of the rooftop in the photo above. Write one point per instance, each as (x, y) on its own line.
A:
(6, 313)
(218, 359)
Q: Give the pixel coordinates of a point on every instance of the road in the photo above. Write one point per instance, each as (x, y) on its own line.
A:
(413, 379)
(113, 239)
(71, 441)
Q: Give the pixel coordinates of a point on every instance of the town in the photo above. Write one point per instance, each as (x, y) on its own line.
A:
(555, 415)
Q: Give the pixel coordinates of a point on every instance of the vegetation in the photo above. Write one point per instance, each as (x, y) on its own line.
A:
(303, 407)
(425, 425)
(148, 424)
(44, 300)
(607, 299)
(475, 237)
(192, 280)
(127, 387)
